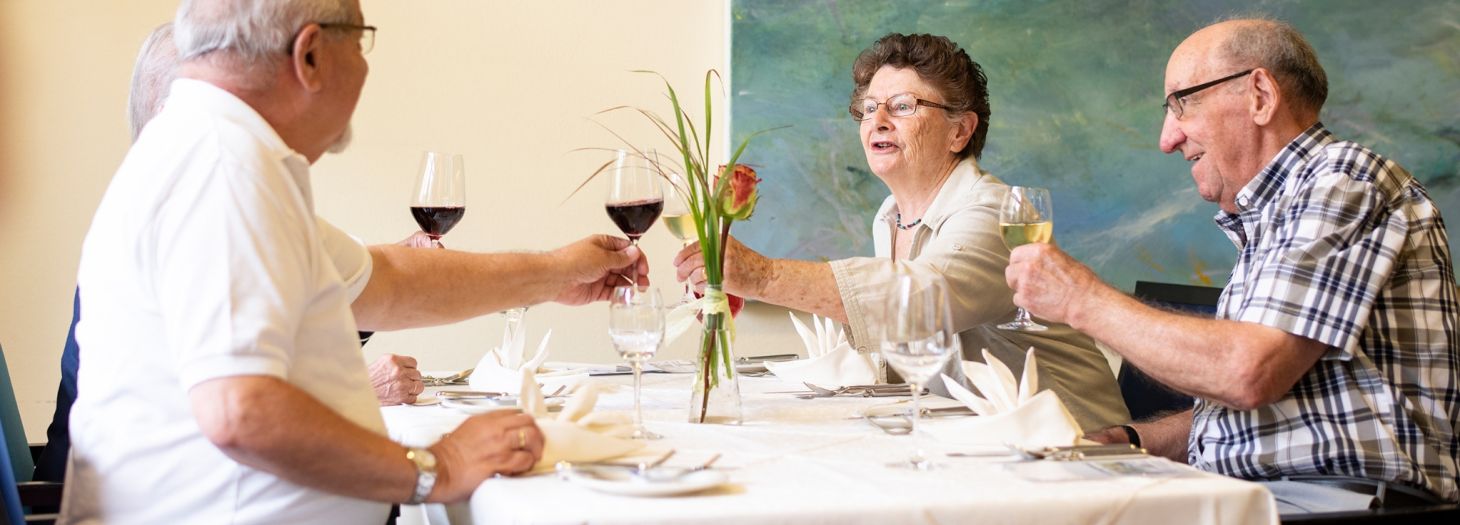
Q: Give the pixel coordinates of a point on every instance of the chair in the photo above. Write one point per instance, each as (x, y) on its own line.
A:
(16, 466)
(1446, 513)
(1144, 396)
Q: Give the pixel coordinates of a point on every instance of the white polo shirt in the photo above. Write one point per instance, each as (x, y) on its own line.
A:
(205, 260)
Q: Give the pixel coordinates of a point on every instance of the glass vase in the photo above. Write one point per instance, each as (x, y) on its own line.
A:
(715, 397)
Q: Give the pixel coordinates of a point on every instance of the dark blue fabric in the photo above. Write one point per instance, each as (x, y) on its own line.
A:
(51, 466)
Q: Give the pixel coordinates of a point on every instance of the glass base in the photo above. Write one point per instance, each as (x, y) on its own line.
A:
(644, 434)
(916, 463)
(1023, 326)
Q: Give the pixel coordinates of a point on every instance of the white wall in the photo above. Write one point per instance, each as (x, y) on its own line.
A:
(512, 85)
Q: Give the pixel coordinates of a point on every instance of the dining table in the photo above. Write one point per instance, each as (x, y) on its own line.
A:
(797, 459)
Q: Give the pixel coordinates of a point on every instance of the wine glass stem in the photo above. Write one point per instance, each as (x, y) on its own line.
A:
(1022, 317)
(634, 271)
(689, 290)
(918, 458)
(638, 385)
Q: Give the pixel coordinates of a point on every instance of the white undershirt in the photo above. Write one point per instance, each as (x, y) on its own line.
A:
(205, 260)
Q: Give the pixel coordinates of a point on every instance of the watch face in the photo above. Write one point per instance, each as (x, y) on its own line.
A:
(425, 461)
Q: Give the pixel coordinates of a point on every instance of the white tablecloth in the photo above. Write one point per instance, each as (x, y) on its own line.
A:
(803, 461)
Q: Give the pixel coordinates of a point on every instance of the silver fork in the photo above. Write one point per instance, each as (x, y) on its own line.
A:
(451, 379)
(674, 475)
(863, 390)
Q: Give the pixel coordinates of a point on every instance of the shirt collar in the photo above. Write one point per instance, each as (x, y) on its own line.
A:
(965, 174)
(190, 95)
(1265, 187)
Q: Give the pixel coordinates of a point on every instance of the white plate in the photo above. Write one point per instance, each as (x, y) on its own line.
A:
(624, 483)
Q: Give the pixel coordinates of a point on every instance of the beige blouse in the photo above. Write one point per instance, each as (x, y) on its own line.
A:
(959, 238)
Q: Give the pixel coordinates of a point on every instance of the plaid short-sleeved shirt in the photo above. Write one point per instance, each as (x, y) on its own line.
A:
(1343, 246)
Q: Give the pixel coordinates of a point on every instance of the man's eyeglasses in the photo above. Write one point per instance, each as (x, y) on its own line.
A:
(367, 34)
(1176, 101)
(899, 105)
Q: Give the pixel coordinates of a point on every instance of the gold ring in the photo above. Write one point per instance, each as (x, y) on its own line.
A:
(522, 438)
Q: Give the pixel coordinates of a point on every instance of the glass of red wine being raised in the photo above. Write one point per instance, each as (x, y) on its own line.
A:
(440, 197)
(635, 197)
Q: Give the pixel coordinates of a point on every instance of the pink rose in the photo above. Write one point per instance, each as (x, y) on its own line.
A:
(737, 199)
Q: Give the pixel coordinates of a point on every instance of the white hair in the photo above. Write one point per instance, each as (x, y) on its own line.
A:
(253, 31)
(156, 67)
(1258, 40)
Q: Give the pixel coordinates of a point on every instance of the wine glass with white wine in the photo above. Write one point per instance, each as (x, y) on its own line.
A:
(1027, 216)
(678, 218)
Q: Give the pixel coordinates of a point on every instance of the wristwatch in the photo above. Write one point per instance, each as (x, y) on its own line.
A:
(425, 463)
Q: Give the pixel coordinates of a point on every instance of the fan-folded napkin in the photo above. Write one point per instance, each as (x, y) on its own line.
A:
(1009, 412)
(577, 433)
(830, 360)
(501, 368)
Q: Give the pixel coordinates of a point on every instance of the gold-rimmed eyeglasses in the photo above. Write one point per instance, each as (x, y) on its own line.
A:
(1176, 101)
(899, 105)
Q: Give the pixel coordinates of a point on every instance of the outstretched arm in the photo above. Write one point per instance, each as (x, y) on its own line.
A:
(411, 288)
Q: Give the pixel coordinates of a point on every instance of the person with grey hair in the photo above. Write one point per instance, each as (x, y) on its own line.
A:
(155, 69)
(1330, 371)
(220, 340)
(395, 378)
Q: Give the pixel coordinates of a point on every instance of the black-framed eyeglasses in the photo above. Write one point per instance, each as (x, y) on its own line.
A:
(1176, 101)
(899, 105)
(367, 34)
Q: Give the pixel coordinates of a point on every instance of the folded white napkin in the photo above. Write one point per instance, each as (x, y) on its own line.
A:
(1009, 412)
(577, 433)
(831, 362)
(501, 368)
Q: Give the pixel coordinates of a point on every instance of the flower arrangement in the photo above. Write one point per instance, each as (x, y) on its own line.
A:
(716, 200)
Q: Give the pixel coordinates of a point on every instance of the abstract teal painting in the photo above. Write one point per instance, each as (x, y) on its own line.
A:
(1076, 91)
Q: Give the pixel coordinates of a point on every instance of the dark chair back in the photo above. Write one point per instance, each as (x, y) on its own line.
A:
(1144, 396)
(15, 463)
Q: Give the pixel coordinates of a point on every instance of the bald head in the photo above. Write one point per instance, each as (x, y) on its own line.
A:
(155, 69)
(1239, 44)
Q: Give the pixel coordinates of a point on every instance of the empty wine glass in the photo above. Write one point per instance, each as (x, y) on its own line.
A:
(439, 201)
(636, 327)
(1027, 216)
(918, 338)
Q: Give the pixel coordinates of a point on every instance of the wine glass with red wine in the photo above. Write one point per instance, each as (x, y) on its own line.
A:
(440, 198)
(635, 197)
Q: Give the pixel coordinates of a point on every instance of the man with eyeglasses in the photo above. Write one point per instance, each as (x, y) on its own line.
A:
(223, 380)
(1330, 371)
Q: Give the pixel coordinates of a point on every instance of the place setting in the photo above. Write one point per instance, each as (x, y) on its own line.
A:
(647, 478)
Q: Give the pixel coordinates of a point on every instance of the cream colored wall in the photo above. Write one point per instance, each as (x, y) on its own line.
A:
(512, 85)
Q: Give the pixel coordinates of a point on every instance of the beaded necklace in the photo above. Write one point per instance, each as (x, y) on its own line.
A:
(905, 227)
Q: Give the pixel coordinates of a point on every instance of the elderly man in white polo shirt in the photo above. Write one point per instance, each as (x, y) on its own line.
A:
(223, 381)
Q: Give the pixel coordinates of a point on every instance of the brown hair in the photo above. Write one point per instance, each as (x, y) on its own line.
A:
(940, 62)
